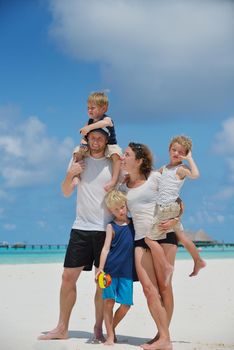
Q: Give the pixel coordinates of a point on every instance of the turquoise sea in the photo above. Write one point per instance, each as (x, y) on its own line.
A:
(55, 254)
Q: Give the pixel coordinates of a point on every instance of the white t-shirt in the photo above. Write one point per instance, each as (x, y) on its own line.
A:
(141, 202)
(91, 211)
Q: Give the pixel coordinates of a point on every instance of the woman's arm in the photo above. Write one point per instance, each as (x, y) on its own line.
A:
(169, 224)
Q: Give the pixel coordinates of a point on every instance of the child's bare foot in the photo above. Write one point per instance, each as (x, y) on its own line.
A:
(54, 334)
(75, 180)
(198, 265)
(109, 186)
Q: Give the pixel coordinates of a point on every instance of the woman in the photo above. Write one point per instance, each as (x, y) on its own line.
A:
(141, 187)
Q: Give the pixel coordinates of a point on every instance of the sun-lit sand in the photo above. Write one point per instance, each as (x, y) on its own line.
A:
(203, 317)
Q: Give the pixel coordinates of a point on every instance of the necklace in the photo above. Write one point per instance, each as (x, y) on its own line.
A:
(136, 182)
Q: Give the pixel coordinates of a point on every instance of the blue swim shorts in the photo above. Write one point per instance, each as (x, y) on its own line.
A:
(121, 290)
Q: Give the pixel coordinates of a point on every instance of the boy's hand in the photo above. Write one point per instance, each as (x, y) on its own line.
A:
(188, 156)
(97, 274)
(85, 130)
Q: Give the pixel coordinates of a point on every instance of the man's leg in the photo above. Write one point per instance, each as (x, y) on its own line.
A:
(67, 301)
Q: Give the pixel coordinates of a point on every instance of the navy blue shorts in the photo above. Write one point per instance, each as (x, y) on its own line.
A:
(84, 249)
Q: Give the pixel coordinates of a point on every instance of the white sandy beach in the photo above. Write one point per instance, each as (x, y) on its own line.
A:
(203, 317)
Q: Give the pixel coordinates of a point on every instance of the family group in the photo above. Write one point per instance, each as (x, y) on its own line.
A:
(128, 224)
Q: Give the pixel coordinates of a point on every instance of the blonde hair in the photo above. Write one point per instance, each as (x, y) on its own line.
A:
(182, 140)
(115, 197)
(98, 98)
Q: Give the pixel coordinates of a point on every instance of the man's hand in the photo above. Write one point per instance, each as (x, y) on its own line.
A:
(76, 168)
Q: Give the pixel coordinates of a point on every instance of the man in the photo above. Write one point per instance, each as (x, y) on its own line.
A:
(89, 228)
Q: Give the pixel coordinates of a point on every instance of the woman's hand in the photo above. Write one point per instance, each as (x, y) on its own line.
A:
(168, 224)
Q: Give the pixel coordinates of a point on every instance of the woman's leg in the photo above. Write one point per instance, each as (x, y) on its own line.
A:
(147, 278)
(167, 293)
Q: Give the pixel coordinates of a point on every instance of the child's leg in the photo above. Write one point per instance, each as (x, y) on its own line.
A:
(116, 164)
(161, 265)
(118, 316)
(78, 155)
(199, 263)
(108, 318)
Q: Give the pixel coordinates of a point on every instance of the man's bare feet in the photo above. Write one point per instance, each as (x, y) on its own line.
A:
(54, 334)
(198, 265)
(98, 336)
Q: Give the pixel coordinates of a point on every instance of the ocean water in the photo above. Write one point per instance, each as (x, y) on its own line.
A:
(56, 254)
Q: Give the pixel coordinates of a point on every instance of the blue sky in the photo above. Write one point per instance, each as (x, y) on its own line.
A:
(168, 69)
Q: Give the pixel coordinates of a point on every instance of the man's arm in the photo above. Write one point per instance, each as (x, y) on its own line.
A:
(68, 185)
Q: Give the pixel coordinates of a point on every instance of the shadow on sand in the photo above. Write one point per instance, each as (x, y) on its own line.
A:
(122, 339)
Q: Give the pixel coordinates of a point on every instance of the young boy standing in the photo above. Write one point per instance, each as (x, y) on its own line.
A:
(168, 207)
(97, 107)
(117, 258)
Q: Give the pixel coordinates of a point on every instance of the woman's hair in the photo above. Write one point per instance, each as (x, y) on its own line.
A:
(98, 98)
(143, 152)
(115, 197)
(183, 141)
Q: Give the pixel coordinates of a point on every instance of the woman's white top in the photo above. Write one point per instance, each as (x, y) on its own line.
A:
(141, 202)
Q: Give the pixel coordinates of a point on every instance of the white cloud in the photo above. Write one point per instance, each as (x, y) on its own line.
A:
(178, 54)
(29, 156)
(200, 218)
(224, 146)
(225, 193)
(9, 227)
(224, 140)
(41, 223)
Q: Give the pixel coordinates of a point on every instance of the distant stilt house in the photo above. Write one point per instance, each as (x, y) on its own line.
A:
(4, 244)
(18, 245)
(201, 238)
